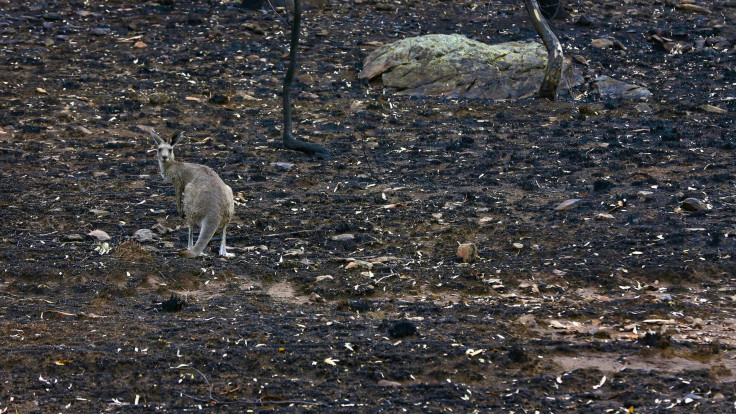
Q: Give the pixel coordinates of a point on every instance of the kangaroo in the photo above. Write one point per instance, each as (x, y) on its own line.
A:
(202, 198)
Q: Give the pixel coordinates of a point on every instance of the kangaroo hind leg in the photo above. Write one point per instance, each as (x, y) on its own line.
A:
(223, 248)
(206, 231)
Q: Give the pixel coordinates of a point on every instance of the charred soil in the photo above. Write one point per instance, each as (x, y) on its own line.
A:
(346, 293)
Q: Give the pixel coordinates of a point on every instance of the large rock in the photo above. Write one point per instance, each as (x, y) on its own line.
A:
(453, 65)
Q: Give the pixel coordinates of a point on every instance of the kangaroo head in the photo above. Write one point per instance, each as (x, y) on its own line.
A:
(165, 149)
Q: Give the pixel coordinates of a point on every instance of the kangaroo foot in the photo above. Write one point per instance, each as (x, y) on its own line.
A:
(188, 253)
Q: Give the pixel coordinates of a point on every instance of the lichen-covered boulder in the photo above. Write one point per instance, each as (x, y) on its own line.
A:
(453, 65)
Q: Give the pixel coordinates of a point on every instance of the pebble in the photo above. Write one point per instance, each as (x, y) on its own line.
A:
(219, 99)
(99, 31)
(568, 204)
(604, 217)
(343, 237)
(99, 235)
(713, 109)
(612, 88)
(161, 229)
(693, 204)
(468, 252)
(286, 166)
(74, 237)
(359, 264)
(143, 235)
(402, 329)
(602, 43)
(643, 108)
(387, 383)
(527, 320)
(159, 98)
(323, 277)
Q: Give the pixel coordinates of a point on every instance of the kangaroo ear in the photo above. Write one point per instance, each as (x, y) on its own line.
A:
(176, 137)
(156, 138)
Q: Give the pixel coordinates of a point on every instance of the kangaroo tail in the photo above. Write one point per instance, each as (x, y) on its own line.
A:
(206, 231)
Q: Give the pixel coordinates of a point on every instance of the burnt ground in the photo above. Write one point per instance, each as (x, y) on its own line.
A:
(563, 310)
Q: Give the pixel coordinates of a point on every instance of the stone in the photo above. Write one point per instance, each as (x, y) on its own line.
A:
(99, 235)
(159, 98)
(693, 204)
(286, 166)
(568, 204)
(455, 66)
(602, 43)
(346, 237)
(402, 329)
(161, 229)
(643, 108)
(99, 31)
(387, 383)
(527, 320)
(467, 252)
(74, 237)
(608, 87)
(713, 109)
(143, 235)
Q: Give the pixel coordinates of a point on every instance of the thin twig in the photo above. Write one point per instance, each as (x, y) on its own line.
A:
(279, 15)
(291, 233)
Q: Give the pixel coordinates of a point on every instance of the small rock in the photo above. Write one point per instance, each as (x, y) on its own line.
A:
(159, 98)
(99, 235)
(692, 8)
(527, 320)
(143, 235)
(323, 277)
(387, 383)
(343, 237)
(161, 229)
(286, 166)
(697, 323)
(100, 31)
(605, 217)
(568, 204)
(359, 264)
(693, 204)
(587, 110)
(140, 45)
(402, 329)
(309, 96)
(83, 130)
(518, 246)
(585, 21)
(468, 252)
(74, 237)
(219, 99)
(608, 87)
(314, 297)
(643, 108)
(602, 43)
(713, 109)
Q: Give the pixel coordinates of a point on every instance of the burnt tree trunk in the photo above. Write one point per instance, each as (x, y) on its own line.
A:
(289, 141)
(552, 75)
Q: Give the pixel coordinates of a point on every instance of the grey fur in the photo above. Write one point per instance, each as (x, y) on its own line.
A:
(202, 198)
